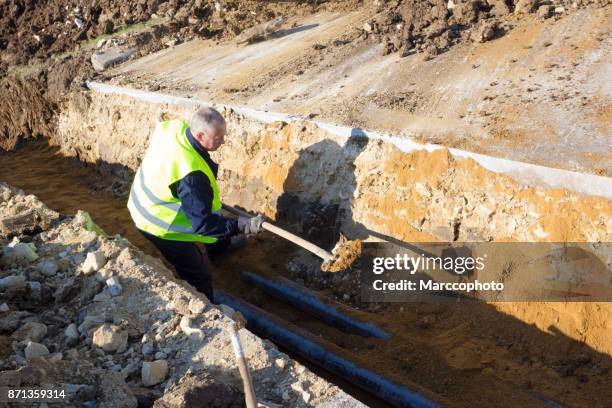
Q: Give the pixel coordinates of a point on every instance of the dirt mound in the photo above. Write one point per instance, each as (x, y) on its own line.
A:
(71, 315)
(36, 30)
(433, 26)
(25, 111)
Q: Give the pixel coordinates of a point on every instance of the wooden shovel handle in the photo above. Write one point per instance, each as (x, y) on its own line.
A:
(309, 246)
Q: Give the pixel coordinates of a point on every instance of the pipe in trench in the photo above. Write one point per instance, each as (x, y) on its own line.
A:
(311, 303)
(305, 345)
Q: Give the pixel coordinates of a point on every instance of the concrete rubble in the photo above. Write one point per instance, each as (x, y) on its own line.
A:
(153, 338)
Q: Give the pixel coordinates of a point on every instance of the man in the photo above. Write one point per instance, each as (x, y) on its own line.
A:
(175, 201)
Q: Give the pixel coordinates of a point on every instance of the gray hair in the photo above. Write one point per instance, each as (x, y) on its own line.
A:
(206, 119)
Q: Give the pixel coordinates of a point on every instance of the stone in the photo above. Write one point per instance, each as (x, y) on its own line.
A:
(48, 267)
(544, 11)
(93, 262)
(281, 363)
(485, 32)
(89, 322)
(71, 332)
(31, 331)
(148, 348)
(114, 287)
(367, 27)
(102, 297)
(34, 349)
(110, 338)
(130, 369)
(181, 305)
(192, 332)
(19, 224)
(154, 372)
(19, 252)
(11, 321)
(196, 306)
(12, 283)
(104, 274)
(160, 355)
(55, 357)
(525, 6)
(4, 308)
(35, 289)
(103, 59)
(10, 378)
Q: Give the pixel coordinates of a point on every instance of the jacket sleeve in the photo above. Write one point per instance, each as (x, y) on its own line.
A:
(196, 194)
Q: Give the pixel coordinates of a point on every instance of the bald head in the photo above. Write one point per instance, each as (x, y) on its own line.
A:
(208, 128)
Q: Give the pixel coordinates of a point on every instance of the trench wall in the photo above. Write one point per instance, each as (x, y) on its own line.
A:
(380, 191)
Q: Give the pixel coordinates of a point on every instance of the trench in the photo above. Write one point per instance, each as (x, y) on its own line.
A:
(452, 350)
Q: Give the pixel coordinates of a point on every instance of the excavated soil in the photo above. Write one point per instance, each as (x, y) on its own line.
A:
(471, 354)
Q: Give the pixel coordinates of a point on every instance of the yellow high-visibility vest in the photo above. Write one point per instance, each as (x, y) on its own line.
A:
(168, 159)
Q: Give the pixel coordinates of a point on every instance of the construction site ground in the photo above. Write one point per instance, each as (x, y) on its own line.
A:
(516, 81)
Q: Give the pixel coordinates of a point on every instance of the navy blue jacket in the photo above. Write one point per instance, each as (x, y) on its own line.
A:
(195, 192)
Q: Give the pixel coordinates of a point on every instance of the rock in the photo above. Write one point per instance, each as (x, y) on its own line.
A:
(281, 363)
(102, 60)
(160, 355)
(102, 297)
(154, 372)
(525, 6)
(114, 287)
(34, 349)
(485, 32)
(544, 11)
(196, 306)
(113, 392)
(55, 358)
(35, 289)
(4, 308)
(130, 369)
(71, 332)
(559, 10)
(110, 338)
(104, 274)
(12, 283)
(31, 331)
(181, 305)
(24, 223)
(192, 332)
(93, 262)
(19, 252)
(306, 396)
(367, 27)
(11, 321)
(48, 267)
(10, 378)
(148, 348)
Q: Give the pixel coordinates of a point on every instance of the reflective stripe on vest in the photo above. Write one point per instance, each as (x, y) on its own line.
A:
(169, 158)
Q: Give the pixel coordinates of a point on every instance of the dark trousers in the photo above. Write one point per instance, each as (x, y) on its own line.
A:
(188, 259)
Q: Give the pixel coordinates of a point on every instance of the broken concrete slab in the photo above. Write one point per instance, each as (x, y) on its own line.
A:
(103, 59)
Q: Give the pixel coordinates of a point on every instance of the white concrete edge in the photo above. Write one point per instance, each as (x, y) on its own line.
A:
(526, 173)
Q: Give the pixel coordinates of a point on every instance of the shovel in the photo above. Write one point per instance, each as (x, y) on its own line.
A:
(342, 256)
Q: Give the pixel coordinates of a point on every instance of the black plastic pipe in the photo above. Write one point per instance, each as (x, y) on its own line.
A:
(309, 302)
(305, 345)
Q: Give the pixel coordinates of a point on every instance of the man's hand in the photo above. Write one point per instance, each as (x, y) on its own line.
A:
(250, 225)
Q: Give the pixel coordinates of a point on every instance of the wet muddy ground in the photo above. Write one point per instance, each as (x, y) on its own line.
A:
(470, 354)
